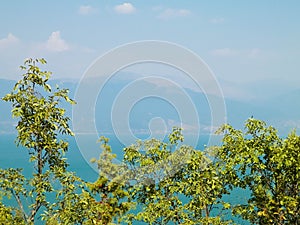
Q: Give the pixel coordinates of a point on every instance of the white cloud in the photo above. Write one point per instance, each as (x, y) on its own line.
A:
(9, 40)
(173, 13)
(218, 20)
(125, 8)
(86, 9)
(55, 43)
(224, 52)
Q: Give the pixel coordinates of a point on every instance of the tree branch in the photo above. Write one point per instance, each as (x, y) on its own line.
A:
(34, 211)
(17, 197)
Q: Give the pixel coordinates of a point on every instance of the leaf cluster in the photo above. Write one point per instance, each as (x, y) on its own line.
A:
(259, 160)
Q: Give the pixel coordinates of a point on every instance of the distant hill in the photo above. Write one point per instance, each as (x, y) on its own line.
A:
(281, 111)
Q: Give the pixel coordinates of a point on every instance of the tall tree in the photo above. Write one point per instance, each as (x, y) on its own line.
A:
(40, 123)
(58, 196)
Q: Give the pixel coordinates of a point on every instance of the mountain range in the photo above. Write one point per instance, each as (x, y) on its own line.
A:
(281, 111)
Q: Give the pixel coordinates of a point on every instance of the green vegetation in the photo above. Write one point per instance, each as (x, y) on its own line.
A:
(168, 182)
(268, 166)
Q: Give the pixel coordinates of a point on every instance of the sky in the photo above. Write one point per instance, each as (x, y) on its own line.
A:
(252, 47)
(244, 42)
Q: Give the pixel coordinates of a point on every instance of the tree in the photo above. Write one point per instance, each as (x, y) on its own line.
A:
(259, 160)
(41, 121)
(173, 184)
(204, 187)
(40, 126)
(101, 202)
(110, 188)
(88, 203)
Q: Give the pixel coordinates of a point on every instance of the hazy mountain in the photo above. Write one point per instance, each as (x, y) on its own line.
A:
(281, 111)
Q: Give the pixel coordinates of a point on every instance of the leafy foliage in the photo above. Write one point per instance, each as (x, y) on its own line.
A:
(260, 160)
(41, 123)
(41, 119)
(180, 187)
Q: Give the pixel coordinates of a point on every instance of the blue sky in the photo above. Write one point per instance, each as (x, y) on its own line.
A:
(251, 46)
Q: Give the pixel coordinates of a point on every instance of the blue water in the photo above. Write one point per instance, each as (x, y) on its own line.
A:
(17, 157)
